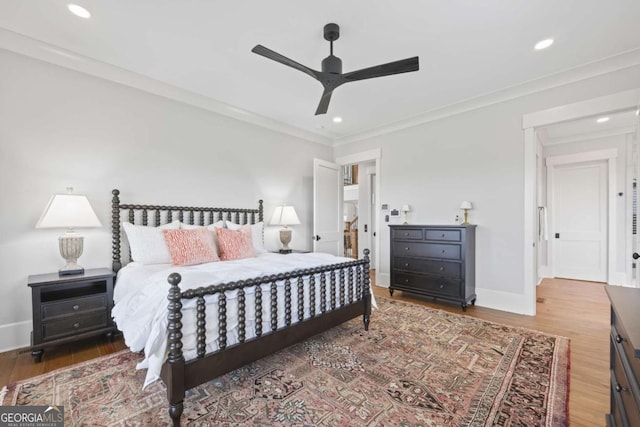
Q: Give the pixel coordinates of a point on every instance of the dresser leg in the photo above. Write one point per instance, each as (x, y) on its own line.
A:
(464, 306)
(37, 355)
(391, 291)
(473, 301)
(110, 336)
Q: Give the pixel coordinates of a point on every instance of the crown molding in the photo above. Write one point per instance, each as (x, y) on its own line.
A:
(593, 69)
(27, 46)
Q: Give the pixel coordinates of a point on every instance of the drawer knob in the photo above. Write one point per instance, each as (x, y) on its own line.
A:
(442, 234)
(443, 251)
(406, 234)
(406, 249)
(620, 389)
(76, 325)
(406, 264)
(441, 268)
(76, 307)
(441, 286)
(619, 339)
(406, 280)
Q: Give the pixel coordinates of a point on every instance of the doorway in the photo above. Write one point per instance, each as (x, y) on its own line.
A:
(532, 123)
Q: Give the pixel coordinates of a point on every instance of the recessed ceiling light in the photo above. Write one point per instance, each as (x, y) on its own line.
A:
(602, 119)
(638, 112)
(337, 119)
(78, 11)
(543, 44)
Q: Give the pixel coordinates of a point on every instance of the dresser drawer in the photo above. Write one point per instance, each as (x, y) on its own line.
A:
(443, 268)
(407, 234)
(449, 235)
(427, 284)
(73, 325)
(620, 338)
(74, 305)
(428, 250)
(622, 387)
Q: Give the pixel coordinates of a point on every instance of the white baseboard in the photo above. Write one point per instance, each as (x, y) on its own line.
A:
(383, 279)
(503, 301)
(544, 272)
(618, 279)
(15, 335)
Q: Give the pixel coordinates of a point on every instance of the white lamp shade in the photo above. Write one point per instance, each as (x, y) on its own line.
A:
(284, 215)
(466, 205)
(68, 211)
(406, 208)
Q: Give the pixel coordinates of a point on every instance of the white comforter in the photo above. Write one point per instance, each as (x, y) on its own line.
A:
(141, 291)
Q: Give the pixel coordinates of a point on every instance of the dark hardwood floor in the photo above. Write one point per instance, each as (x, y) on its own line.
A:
(577, 310)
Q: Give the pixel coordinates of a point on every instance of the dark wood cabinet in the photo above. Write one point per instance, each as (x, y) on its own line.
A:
(625, 357)
(69, 308)
(434, 260)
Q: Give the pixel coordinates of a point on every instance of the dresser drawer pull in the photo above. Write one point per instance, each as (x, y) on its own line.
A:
(441, 268)
(406, 280)
(619, 339)
(406, 234)
(406, 264)
(76, 325)
(443, 251)
(442, 235)
(441, 286)
(76, 307)
(406, 249)
(620, 389)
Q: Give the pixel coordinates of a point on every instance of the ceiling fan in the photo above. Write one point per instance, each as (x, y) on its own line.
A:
(331, 75)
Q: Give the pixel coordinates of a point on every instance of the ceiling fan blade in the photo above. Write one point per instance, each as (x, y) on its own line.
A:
(275, 56)
(397, 67)
(323, 106)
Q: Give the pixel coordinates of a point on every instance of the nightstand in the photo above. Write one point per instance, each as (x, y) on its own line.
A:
(70, 308)
(293, 251)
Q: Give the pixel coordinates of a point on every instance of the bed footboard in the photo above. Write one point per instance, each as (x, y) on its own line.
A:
(348, 296)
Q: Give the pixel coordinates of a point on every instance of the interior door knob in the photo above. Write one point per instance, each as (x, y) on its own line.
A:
(316, 237)
(635, 255)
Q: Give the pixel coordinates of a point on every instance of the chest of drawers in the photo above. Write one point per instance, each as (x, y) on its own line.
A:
(625, 357)
(68, 308)
(434, 260)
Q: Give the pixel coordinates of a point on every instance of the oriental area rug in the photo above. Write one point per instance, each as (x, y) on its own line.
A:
(415, 366)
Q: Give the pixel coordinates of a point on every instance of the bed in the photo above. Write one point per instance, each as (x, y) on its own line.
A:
(211, 328)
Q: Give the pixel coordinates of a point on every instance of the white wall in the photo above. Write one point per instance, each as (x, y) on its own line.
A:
(618, 142)
(476, 156)
(61, 128)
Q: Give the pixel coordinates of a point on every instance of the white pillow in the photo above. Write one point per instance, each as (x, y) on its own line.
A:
(147, 244)
(211, 227)
(257, 231)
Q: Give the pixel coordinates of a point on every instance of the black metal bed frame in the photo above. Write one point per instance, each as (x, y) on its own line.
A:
(348, 285)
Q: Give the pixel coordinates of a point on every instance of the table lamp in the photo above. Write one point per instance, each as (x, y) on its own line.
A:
(466, 207)
(69, 211)
(285, 215)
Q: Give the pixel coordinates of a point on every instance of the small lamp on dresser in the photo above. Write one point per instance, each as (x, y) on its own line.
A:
(285, 215)
(466, 207)
(405, 210)
(69, 211)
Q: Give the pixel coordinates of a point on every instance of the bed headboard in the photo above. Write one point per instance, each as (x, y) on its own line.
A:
(154, 215)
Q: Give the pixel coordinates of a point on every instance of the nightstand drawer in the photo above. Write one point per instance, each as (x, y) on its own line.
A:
(73, 325)
(407, 233)
(443, 268)
(71, 306)
(430, 250)
(450, 235)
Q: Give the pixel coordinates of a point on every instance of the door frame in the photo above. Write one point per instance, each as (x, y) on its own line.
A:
(610, 157)
(365, 156)
(606, 104)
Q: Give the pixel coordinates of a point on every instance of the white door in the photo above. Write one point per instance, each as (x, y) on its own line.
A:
(328, 226)
(579, 224)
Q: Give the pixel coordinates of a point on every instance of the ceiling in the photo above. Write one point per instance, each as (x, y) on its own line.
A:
(467, 49)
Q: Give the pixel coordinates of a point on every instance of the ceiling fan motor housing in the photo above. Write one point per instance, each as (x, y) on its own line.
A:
(332, 64)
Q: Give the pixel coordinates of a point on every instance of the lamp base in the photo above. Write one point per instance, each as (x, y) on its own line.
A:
(66, 271)
(285, 251)
(70, 245)
(285, 238)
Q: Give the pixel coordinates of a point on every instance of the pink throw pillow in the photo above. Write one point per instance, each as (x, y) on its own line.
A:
(190, 247)
(235, 244)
